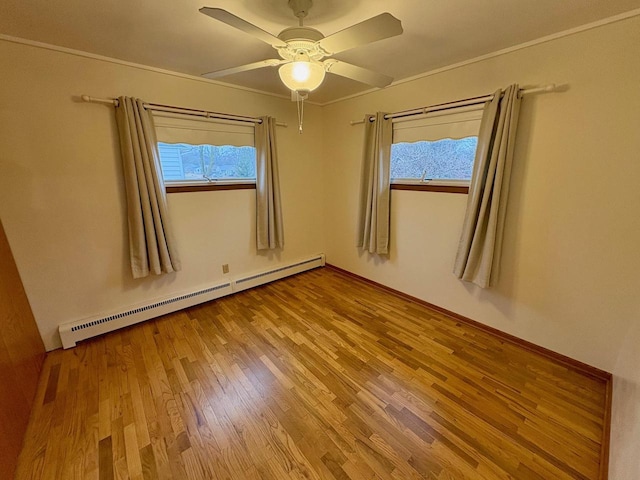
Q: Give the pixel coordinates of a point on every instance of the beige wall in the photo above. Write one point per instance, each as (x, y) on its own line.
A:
(570, 266)
(62, 197)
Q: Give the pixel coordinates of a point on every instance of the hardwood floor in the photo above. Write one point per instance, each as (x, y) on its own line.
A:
(318, 376)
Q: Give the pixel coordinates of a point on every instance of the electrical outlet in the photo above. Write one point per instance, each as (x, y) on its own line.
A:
(225, 268)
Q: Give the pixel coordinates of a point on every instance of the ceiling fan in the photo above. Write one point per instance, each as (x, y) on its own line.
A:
(306, 53)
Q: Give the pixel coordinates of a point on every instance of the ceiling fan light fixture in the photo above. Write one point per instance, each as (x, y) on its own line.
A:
(306, 52)
(302, 75)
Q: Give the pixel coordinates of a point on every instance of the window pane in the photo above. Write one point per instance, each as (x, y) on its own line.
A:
(446, 159)
(184, 162)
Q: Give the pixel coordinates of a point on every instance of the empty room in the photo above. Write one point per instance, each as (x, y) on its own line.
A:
(320, 239)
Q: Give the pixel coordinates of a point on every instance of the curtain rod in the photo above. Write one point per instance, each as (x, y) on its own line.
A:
(458, 103)
(181, 110)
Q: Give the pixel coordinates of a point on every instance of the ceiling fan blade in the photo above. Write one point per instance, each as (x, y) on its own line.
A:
(237, 22)
(376, 28)
(360, 74)
(272, 62)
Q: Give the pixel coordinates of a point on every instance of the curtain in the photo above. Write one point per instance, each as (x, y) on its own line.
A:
(479, 250)
(375, 198)
(151, 244)
(269, 228)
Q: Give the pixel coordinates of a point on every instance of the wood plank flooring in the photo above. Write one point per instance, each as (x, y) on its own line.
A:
(317, 376)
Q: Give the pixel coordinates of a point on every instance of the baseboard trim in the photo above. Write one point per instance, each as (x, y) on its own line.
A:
(83, 329)
(605, 443)
(566, 361)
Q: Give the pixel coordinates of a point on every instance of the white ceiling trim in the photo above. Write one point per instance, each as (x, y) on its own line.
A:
(102, 58)
(504, 51)
(565, 33)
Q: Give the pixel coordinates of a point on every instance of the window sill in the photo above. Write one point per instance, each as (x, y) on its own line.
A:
(208, 187)
(425, 187)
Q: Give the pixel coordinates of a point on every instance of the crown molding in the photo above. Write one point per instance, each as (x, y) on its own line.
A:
(504, 51)
(117, 61)
(538, 41)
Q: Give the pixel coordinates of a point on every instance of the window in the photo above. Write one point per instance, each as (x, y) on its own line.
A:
(183, 162)
(435, 150)
(200, 154)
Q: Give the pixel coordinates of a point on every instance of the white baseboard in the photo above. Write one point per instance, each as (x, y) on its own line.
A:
(73, 332)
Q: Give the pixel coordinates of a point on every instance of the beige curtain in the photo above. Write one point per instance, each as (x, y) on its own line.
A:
(151, 245)
(479, 251)
(269, 229)
(375, 195)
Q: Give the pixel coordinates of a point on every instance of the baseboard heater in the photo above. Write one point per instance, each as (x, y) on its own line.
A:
(73, 332)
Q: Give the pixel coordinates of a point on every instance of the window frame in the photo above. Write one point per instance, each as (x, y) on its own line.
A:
(435, 185)
(208, 186)
(204, 184)
(442, 186)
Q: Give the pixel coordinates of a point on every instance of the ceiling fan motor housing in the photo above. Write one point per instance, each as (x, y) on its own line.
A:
(301, 40)
(300, 33)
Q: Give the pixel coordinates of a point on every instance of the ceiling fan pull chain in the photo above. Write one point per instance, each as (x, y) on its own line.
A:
(300, 105)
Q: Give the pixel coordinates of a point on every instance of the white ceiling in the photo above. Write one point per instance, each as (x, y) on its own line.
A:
(173, 35)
